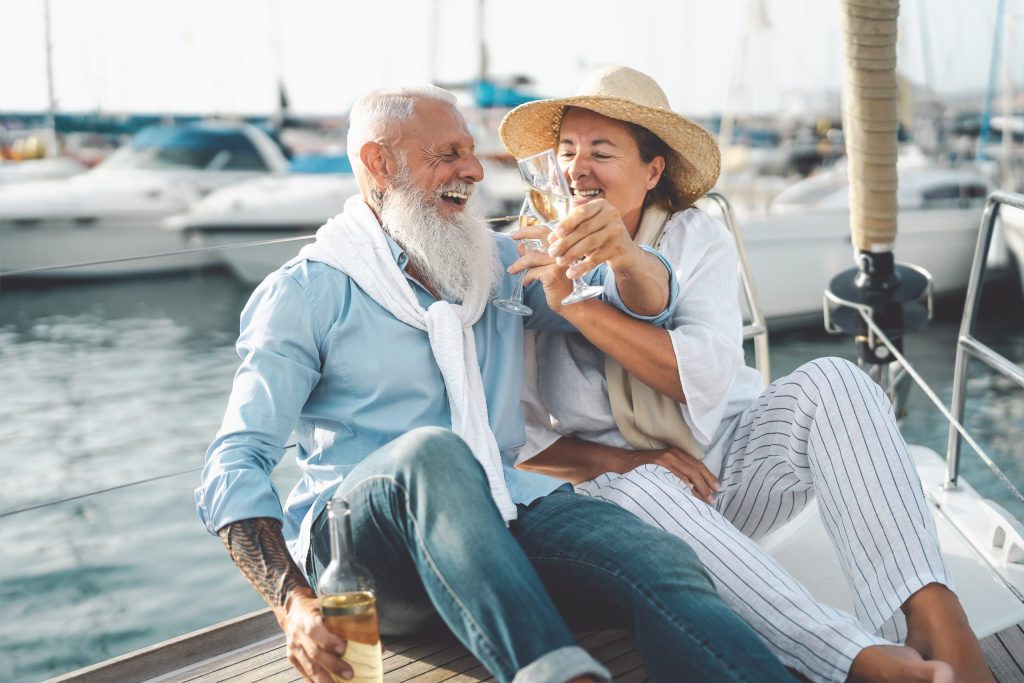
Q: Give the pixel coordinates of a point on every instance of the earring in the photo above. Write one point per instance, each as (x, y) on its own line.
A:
(378, 199)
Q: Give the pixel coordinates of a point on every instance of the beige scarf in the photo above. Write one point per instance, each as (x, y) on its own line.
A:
(647, 419)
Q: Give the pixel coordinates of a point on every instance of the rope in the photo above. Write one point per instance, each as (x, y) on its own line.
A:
(39, 506)
(941, 406)
(116, 487)
(183, 252)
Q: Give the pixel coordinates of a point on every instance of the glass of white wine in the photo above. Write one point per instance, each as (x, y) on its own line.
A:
(548, 195)
(514, 302)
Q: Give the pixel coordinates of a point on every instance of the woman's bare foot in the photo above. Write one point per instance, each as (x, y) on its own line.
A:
(897, 664)
(938, 629)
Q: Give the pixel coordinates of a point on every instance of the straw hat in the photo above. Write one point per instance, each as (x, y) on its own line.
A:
(625, 94)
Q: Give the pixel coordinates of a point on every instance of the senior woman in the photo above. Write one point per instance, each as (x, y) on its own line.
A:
(671, 425)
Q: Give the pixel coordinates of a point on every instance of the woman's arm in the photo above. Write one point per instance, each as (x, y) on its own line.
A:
(643, 349)
(576, 461)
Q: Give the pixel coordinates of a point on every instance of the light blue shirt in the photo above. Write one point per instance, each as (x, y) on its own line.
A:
(320, 357)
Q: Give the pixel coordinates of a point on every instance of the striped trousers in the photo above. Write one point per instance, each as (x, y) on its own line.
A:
(826, 430)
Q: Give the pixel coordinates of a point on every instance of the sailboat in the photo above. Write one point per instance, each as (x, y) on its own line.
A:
(877, 301)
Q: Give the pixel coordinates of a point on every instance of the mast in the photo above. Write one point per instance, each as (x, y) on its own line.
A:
(870, 122)
(993, 69)
(755, 19)
(432, 31)
(1008, 127)
(481, 42)
(51, 102)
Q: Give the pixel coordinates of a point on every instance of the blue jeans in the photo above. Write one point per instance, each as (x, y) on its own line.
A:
(424, 524)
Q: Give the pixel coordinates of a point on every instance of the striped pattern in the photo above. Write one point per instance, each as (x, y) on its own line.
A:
(826, 430)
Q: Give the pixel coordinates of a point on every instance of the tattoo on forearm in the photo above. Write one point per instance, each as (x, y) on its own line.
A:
(257, 546)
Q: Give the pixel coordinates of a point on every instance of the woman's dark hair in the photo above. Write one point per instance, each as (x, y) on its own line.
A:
(650, 145)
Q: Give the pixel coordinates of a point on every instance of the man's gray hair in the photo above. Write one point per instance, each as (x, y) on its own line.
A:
(375, 113)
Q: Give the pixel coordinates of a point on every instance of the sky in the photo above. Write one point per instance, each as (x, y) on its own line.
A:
(227, 56)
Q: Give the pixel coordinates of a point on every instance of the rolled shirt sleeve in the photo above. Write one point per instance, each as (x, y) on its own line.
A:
(543, 318)
(612, 296)
(278, 344)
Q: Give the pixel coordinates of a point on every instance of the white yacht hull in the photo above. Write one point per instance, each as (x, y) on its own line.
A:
(115, 212)
(250, 264)
(264, 209)
(1012, 220)
(58, 241)
(794, 256)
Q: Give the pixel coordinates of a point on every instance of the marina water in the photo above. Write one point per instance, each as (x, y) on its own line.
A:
(108, 383)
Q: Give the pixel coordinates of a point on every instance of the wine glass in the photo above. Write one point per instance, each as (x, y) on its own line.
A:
(548, 196)
(514, 303)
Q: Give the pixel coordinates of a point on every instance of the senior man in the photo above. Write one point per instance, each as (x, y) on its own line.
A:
(377, 347)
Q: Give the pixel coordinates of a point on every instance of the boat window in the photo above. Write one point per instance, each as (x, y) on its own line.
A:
(320, 163)
(974, 194)
(188, 147)
(938, 196)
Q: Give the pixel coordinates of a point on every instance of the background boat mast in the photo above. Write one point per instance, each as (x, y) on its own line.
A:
(51, 111)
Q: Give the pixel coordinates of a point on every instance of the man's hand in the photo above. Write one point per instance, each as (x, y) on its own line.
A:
(542, 266)
(313, 650)
(689, 469)
(258, 548)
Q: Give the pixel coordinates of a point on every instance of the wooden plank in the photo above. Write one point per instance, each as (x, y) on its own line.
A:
(213, 655)
(266, 671)
(394, 646)
(475, 675)
(459, 666)
(231, 664)
(432, 662)
(424, 651)
(169, 657)
(1004, 652)
(629, 661)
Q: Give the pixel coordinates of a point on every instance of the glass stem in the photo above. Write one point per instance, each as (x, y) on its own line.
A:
(517, 292)
(577, 282)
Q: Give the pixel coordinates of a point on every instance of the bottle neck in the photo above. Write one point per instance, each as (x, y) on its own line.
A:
(338, 516)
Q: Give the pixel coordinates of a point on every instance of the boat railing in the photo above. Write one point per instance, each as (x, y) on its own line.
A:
(181, 252)
(145, 257)
(967, 345)
(757, 328)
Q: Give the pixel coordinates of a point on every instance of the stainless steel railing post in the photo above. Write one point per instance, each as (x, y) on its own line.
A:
(967, 345)
(757, 329)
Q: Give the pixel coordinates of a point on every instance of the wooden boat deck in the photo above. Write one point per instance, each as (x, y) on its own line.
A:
(251, 649)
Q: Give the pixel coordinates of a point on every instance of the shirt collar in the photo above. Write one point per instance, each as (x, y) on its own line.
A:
(397, 253)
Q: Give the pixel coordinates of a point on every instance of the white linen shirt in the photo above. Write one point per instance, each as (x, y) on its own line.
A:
(565, 392)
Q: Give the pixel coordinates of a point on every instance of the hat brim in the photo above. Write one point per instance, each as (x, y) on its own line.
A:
(533, 127)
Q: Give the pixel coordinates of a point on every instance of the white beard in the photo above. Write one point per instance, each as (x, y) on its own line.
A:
(454, 254)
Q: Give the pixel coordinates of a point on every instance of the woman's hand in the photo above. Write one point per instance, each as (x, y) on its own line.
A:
(313, 650)
(689, 469)
(595, 232)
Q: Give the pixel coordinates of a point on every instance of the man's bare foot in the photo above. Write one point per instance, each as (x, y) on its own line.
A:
(938, 629)
(896, 664)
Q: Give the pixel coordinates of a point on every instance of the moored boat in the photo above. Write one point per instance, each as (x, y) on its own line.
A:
(806, 232)
(284, 211)
(114, 211)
